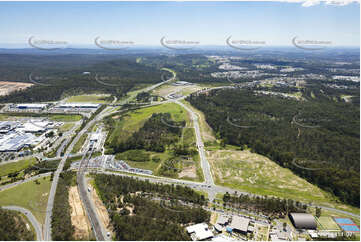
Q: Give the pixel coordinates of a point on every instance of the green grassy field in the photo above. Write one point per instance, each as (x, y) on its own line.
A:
(53, 117)
(66, 127)
(257, 174)
(329, 213)
(15, 166)
(134, 120)
(30, 196)
(327, 223)
(149, 164)
(65, 118)
(88, 98)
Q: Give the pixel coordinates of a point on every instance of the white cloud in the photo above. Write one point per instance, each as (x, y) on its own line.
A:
(339, 2)
(310, 3)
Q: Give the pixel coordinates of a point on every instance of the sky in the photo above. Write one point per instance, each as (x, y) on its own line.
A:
(208, 23)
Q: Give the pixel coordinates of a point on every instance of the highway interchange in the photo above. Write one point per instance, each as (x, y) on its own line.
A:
(98, 228)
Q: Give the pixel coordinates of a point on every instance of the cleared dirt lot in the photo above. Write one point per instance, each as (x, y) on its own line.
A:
(79, 219)
(8, 87)
(189, 171)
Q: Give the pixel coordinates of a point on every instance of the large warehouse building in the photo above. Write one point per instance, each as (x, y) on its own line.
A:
(39, 106)
(303, 220)
(79, 105)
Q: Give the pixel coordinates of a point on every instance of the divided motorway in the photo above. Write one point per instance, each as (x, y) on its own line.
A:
(207, 186)
(101, 115)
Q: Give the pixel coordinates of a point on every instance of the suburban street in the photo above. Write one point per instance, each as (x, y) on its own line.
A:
(200, 146)
(31, 218)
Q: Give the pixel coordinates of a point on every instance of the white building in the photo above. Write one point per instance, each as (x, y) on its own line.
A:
(15, 141)
(78, 105)
(39, 106)
(35, 126)
(199, 231)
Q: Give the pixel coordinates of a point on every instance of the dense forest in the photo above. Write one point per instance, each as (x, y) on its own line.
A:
(140, 210)
(115, 75)
(155, 135)
(61, 226)
(318, 139)
(13, 227)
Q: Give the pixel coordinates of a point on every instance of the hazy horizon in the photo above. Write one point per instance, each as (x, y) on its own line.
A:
(207, 23)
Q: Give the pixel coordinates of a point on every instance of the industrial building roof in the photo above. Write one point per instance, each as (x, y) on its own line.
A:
(240, 223)
(201, 231)
(79, 105)
(31, 105)
(222, 219)
(14, 141)
(6, 126)
(33, 127)
(303, 220)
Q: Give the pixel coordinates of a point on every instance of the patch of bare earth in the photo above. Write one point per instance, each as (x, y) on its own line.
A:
(9, 87)
(214, 217)
(189, 171)
(167, 89)
(79, 219)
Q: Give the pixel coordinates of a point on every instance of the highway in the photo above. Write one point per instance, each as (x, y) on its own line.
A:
(98, 228)
(100, 234)
(93, 208)
(49, 209)
(31, 218)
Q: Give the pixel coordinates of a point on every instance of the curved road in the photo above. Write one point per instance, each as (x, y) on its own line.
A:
(209, 185)
(101, 115)
(31, 218)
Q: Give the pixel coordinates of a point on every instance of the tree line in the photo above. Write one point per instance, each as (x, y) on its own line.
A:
(272, 206)
(318, 139)
(61, 226)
